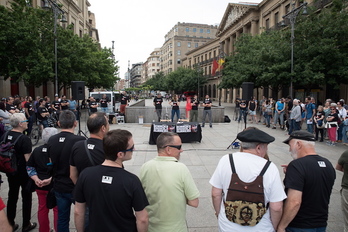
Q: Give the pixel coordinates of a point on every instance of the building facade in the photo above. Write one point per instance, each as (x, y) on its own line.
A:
(182, 38)
(135, 75)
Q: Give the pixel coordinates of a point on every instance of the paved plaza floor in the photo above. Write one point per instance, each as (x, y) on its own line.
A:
(202, 159)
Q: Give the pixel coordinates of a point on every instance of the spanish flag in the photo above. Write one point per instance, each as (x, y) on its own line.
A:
(215, 67)
(220, 65)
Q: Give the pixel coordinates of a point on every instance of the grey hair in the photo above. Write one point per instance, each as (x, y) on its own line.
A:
(16, 118)
(333, 104)
(306, 143)
(249, 145)
(48, 132)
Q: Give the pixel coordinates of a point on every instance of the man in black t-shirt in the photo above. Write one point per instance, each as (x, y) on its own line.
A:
(10, 107)
(29, 113)
(98, 126)
(42, 113)
(194, 109)
(64, 103)
(59, 148)
(124, 102)
(207, 103)
(93, 105)
(157, 102)
(20, 179)
(104, 104)
(109, 188)
(309, 179)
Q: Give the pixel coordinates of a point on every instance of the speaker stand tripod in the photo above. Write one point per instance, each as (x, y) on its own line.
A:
(78, 113)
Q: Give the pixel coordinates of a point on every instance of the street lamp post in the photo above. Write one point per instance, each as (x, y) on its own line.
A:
(56, 12)
(292, 17)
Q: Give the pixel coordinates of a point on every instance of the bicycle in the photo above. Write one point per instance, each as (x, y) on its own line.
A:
(36, 131)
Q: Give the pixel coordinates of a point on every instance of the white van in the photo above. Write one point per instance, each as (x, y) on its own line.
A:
(114, 100)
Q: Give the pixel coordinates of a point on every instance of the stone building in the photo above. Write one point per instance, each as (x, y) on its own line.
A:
(238, 19)
(182, 38)
(135, 78)
(83, 22)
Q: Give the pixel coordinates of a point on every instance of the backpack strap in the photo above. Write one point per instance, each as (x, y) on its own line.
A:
(89, 154)
(5, 135)
(265, 168)
(232, 164)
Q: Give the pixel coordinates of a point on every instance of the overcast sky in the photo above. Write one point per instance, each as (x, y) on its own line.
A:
(139, 26)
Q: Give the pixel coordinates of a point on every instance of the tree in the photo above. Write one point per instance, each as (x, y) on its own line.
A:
(184, 79)
(157, 82)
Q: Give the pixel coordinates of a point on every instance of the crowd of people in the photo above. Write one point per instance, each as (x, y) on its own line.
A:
(90, 173)
(328, 120)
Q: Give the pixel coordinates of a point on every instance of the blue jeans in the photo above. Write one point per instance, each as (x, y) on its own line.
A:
(64, 201)
(293, 229)
(242, 114)
(104, 109)
(294, 126)
(344, 134)
(268, 118)
(44, 123)
(340, 131)
(310, 127)
(177, 112)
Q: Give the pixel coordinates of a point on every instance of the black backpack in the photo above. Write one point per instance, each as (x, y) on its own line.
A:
(8, 159)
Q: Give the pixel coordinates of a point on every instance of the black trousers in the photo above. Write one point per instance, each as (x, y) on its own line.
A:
(19, 180)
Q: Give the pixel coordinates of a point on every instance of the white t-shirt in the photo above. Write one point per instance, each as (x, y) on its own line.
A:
(248, 167)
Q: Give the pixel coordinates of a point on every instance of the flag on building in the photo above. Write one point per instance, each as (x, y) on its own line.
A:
(220, 65)
(215, 67)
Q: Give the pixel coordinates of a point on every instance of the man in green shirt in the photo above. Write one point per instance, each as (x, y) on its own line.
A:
(169, 186)
(342, 165)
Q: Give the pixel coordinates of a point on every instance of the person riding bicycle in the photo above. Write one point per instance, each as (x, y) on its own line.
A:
(42, 113)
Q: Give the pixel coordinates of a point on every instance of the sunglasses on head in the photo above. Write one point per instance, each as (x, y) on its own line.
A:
(175, 146)
(130, 149)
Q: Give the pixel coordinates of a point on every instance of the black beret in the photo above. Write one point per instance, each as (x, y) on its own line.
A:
(255, 135)
(302, 135)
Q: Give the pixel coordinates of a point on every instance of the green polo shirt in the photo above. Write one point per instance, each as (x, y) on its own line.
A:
(343, 160)
(168, 185)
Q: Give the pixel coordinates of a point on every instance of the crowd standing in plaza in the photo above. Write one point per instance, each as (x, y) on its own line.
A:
(107, 197)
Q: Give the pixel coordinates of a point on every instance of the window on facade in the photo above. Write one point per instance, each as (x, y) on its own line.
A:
(176, 29)
(196, 45)
(179, 52)
(276, 18)
(178, 61)
(267, 23)
(201, 30)
(189, 44)
(194, 29)
(208, 31)
(179, 44)
(287, 8)
(187, 29)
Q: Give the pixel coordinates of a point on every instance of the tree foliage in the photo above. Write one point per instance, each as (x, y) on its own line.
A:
(27, 50)
(320, 53)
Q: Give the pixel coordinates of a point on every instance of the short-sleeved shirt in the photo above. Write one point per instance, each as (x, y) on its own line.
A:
(195, 104)
(343, 161)
(124, 100)
(59, 149)
(309, 110)
(168, 185)
(207, 101)
(158, 102)
(93, 103)
(314, 176)
(79, 158)
(40, 110)
(10, 107)
(29, 106)
(39, 159)
(175, 105)
(56, 104)
(111, 194)
(66, 107)
(248, 167)
(103, 102)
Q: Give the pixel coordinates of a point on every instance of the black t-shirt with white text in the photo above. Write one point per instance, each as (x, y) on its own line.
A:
(124, 100)
(41, 110)
(195, 104)
(66, 107)
(103, 102)
(314, 176)
(112, 195)
(56, 104)
(59, 149)
(207, 101)
(79, 157)
(93, 103)
(29, 106)
(158, 102)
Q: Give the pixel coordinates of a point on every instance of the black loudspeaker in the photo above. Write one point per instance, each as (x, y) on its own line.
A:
(78, 90)
(248, 89)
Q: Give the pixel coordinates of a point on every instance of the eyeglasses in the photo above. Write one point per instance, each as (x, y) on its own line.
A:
(25, 121)
(130, 149)
(175, 146)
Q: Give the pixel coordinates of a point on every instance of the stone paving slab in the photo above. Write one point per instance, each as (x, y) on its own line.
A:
(202, 158)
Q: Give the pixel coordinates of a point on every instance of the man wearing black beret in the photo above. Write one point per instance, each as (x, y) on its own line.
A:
(308, 183)
(248, 165)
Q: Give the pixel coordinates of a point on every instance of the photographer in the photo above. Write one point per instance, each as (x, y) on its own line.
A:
(194, 110)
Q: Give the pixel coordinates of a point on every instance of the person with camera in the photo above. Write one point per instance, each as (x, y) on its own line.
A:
(194, 109)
